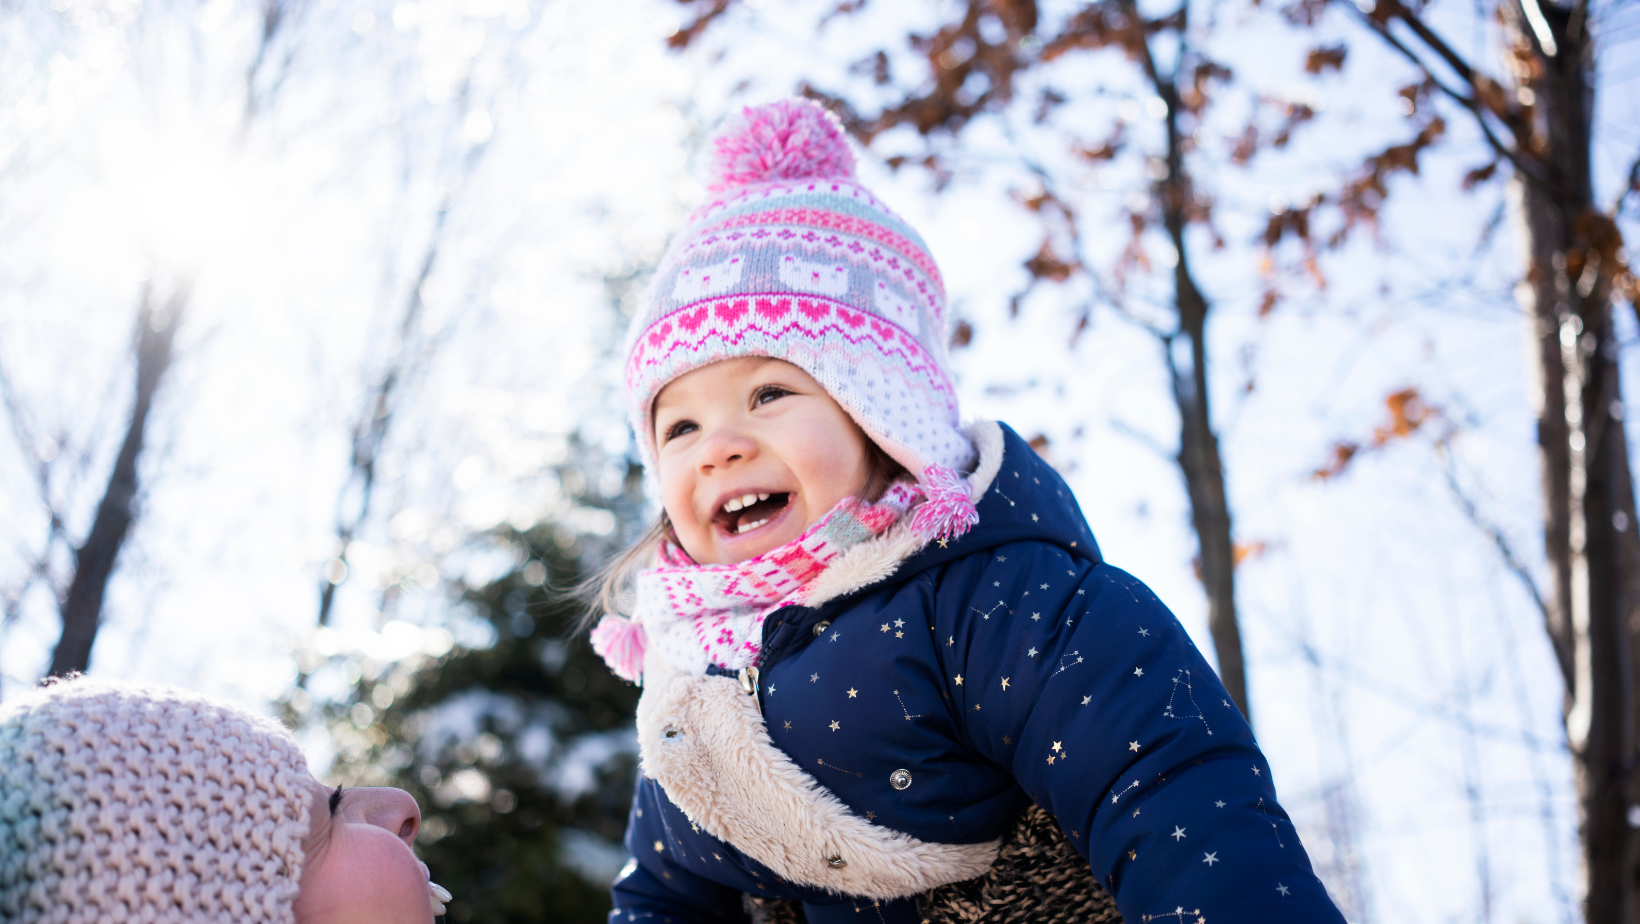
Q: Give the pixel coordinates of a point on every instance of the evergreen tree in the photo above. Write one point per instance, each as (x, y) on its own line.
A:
(519, 749)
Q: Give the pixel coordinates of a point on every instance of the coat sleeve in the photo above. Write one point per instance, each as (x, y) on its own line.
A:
(1076, 678)
(654, 889)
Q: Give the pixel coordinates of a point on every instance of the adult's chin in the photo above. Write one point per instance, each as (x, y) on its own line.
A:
(365, 876)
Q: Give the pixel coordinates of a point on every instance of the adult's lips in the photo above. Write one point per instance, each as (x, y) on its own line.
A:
(438, 895)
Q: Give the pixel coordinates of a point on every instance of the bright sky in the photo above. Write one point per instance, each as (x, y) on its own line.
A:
(1400, 679)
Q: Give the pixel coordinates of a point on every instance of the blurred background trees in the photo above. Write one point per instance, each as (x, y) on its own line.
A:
(519, 745)
(1252, 275)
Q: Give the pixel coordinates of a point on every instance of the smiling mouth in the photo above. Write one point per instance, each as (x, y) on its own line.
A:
(749, 511)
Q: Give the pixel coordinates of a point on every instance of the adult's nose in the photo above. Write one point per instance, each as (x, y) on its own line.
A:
(389, 809)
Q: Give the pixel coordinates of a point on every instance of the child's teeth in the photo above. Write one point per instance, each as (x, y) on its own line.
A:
(733, 505)
(745, 526)
(749, 500)
(763, 497)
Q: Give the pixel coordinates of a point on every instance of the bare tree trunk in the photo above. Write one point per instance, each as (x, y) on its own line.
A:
(1586, 483)
(1600, 718)
(1538, 296)
(1199, 458)
(94, 559)
(1628, 565)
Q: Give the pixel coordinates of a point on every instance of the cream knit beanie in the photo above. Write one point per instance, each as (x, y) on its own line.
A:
(132, 803)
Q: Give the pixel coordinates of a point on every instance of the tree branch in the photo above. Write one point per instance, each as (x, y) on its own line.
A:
(1632, 185)
(1468, 102)
(1100, 287)
(1434, 41)
(94, 559)
(370, 431)
(1506, 549)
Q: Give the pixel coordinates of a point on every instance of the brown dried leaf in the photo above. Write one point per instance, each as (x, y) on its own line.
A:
(1341, 454)
(1267, 304)
(1195, 97)
(1492, 95)
(1246, 146)
(1407, 412)
(1479, 175)
(1050, 100)
(1097, 25)
(1297, 114)
(680, 39)
(1304, 12)
(1312, 266)
(1524, 62)
(1047, 265)
(1597, 231)
(1019, 17)
(1106, 149)
(1294, 221)
(876, 66)
(1324, 58)
(843, 8)
(1246, 551)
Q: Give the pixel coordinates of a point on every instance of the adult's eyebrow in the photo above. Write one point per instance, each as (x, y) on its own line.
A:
(335, 800)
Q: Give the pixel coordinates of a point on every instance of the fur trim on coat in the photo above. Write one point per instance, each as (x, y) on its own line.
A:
(702, 739)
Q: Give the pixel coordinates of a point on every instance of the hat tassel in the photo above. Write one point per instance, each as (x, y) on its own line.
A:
(621, 642)
(947, 511)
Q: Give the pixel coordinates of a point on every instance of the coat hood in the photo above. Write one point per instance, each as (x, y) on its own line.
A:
(1024, 499)
(1018, 496)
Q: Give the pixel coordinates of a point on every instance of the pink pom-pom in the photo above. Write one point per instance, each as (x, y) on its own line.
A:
(947, 511)
(620, 642)
(793, 139)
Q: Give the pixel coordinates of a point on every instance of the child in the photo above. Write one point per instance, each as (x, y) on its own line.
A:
(126, 803)
(887, 674)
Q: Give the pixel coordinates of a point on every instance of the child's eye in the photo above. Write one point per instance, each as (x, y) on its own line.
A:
(768, 393)
(679, 429)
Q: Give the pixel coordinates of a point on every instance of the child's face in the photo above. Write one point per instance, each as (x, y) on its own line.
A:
(360, 868)
(755, 428)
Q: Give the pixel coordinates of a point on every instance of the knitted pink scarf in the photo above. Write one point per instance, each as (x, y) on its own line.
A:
(700, 615)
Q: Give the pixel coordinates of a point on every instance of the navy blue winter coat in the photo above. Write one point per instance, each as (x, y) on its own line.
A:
(1009, 666)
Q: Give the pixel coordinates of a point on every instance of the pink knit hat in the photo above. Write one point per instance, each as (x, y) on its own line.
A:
(790, 257)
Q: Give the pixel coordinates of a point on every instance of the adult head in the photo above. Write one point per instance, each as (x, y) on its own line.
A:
(138, 803)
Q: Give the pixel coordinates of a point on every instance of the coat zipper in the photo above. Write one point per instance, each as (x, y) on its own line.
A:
(748, 682)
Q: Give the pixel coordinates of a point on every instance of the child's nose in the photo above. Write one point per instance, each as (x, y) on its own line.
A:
(389, 809)
(725, 447)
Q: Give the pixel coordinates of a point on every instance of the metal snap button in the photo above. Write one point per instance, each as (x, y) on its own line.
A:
(672, 731)
(821, 627)
(900, 779)
(835, 861)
